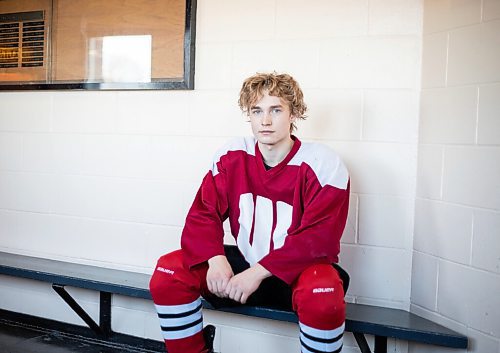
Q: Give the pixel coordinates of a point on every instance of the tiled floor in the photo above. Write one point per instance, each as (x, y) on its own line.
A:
(24, 339)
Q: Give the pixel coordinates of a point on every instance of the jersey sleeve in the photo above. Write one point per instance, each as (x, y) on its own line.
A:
(203, 233)
(317, 238)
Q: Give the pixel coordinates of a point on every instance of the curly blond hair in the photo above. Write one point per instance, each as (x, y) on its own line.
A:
(283, 86)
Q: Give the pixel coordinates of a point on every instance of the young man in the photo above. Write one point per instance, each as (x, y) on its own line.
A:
(287, 205)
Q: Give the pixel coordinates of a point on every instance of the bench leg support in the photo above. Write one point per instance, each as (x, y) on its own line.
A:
(380, 344)
(105, 313)
(362, 343)
(79, 310)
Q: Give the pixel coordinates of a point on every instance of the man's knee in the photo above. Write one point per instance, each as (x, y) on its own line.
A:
(166, 274)
(319, 295)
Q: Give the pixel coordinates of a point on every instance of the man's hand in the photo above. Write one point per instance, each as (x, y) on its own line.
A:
(218, 275)
(241, 286)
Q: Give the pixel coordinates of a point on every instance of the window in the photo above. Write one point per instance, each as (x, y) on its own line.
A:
(94, 44)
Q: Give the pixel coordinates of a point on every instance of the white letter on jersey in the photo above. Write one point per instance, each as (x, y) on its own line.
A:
(262, 226)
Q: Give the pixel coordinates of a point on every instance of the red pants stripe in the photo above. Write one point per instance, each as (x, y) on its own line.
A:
(317, 297)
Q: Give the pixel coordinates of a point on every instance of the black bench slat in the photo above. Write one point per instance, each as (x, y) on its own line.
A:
(127, 283)
(380, 321)
(365, 319)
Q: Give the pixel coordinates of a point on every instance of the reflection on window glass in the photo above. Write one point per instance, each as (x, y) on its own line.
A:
(119, 59)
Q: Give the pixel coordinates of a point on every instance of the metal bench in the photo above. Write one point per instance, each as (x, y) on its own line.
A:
(361, 319)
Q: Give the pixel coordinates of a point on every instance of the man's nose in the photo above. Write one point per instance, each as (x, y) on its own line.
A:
(267, 119)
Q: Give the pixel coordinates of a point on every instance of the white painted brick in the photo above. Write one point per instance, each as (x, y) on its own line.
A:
(392, 266)
(332, 114)
(212, 63)
(430, 170)
(11, 151)
(92, 232)
(491, 10)
(489, 115)
(129, 247)
(369, 62)
(8, 228)
(390, 116)
(182, 158)
(403, 305)
(391, 167)
(273, 327)
(424, 280)
(459, 297)
(132, 156)
(153, 202)
(160, 241)
(395, 17)
(485, 245)
(479, 342)
(152, 329)
(68, 157)
(443, 230)
(84, 196)
(280, 56)
(434, 60)
(17, 115)
(26, 191)
(474, 54)
(187, 159)
(38, 153)
(464, 56)
(7, 190)
(489, 67)
(228, 20)
(454, 291)
(216, 113)
(246, 341)
(151, 113)
(84, 112)
(327, 18)
(130, 322)
(36, 233)
(472, 175)
(440, 15)
(448, 115)
(102, 153)
(385, 221)
(426, 348)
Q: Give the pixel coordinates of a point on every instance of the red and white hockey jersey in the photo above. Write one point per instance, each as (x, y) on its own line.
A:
(286, 218)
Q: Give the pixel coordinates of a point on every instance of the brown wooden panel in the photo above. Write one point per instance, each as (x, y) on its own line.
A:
(79, 23)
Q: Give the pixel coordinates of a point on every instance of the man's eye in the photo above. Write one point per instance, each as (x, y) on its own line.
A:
(276, 111)
(256, 112)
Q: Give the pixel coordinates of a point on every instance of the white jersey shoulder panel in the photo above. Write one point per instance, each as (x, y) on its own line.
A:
(326, 164)
(246, 144)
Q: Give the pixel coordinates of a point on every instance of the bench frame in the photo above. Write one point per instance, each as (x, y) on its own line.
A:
(361, 319)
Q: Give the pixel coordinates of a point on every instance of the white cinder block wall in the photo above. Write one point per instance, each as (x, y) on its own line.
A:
(456, 260)
(107, 177)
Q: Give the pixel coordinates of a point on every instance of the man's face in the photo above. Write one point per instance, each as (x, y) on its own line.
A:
(270, 118)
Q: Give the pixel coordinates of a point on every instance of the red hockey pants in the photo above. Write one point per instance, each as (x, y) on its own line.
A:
(317, 297)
